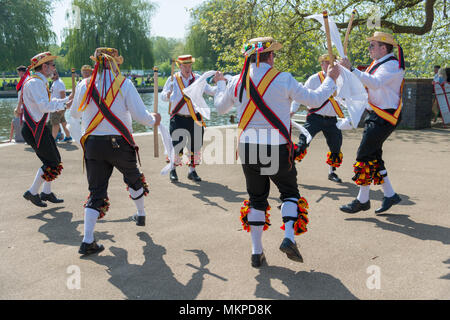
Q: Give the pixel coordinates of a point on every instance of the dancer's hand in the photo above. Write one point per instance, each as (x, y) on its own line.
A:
(157, 117)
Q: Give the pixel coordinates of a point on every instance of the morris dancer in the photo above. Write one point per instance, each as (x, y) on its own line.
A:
(106, 103)
(384, 82)
(264, 97)
(323, 119)
(37, 105)
(186, 126)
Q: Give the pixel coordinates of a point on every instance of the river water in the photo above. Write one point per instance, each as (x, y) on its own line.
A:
(7, 106)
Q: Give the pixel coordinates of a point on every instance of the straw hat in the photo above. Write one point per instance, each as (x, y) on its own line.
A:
(99, 52)
(383, 37)
(326, 57)
(86, 67)
(267, 43)
(41, 58)
(185, 59)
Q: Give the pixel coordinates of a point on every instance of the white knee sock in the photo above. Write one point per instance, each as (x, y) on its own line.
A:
(139, 202)
(191, 169)
(37, 183)
(363, 195)
(388, 190)
(47, 187)
(331, 169)
(289, 209)
(256, 231)
(90, 219)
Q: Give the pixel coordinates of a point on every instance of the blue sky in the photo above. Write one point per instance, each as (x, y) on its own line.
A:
(170, 20)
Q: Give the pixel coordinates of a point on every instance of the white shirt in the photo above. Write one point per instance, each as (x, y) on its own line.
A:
(56, 88)
(175, 97)
(35, 98)
(278, 97)
(384, 85)
(313, 83)
(127, 106)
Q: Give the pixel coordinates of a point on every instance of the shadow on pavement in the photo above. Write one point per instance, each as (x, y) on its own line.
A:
(60, 229)
(302, 285)
(346, 189)
(401, 223)
(448, 275)
(205, 190)
(153, 279)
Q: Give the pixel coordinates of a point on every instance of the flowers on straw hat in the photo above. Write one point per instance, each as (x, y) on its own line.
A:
(261, 45)
(383, 37)
(185, 59)
(326, 57)
(112, 52)
(40, 59)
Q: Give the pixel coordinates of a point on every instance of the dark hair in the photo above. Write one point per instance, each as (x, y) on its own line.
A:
(263, 57)
(38, 68)
(437, 67)
(447, 72)
(389, 47)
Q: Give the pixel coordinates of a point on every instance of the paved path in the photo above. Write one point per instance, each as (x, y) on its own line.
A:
(193, 246)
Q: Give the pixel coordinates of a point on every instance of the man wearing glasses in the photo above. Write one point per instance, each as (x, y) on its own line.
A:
(36, 107)
(384, 83)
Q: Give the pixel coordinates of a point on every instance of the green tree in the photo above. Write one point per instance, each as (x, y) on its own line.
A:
(420, 26)
(124, 25)
(165, 49)
(24, 31)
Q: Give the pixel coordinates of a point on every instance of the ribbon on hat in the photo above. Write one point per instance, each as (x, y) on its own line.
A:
(101, 58)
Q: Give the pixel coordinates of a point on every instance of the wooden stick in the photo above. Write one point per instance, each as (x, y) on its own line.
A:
(327, 31)
(347, 33)
(171, 79)
(155, 110)
(73, 80)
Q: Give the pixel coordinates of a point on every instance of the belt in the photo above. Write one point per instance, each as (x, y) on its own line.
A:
(183, 115)
(331, 117)
(391, 111)
(108, 137)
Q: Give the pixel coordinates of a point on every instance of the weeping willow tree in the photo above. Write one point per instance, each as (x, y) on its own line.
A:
(124, 25)
(420, 26)
(24, 31)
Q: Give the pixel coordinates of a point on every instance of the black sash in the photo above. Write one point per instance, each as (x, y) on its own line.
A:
(37, 128)
(181, 103)
(270, 116)
(375, 67)
(115, 122)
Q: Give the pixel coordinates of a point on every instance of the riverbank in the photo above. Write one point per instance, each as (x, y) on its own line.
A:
(13, 93)
(193, 246)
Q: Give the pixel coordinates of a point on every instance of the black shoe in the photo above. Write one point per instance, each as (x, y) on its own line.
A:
(140, 220)
(334, 177)
(291, 250)
(34, 199)
(388, 203)
(50, 197)
(355, 206)
(194, 176)
(173, 176)
(258, 259)
(90, 248)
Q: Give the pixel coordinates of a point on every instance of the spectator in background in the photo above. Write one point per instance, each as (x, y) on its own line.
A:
(439, 78)
(86, 71)
(436, 76)
(58, 91)
(16, 128)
